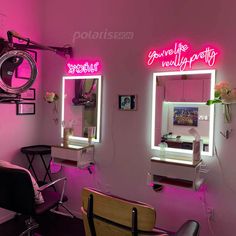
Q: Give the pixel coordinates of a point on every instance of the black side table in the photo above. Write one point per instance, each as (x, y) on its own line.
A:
(38, 150)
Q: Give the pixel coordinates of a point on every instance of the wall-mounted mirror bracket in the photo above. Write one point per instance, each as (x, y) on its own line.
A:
(29, 44)
(15, 57)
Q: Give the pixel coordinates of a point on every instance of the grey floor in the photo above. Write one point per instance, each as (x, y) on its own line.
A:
(50, 225)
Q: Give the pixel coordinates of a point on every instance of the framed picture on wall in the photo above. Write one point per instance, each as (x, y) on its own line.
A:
(25, 108)
(127, 102)
(29, 94)
(187, 116)
(23, 71)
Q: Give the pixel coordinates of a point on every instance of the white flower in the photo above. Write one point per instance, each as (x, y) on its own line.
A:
(51, 97)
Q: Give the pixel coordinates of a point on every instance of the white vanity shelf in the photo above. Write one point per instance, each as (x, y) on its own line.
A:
(80, 156)
(178, 172)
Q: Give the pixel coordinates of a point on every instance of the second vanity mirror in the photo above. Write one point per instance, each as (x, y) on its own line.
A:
(179, 104)
(81, 106)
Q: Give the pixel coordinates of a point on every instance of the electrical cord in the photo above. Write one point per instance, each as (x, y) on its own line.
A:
(205, 207)
(210, 226)
(98, 184)
(204, 168)
(222, 171)
(203, 199)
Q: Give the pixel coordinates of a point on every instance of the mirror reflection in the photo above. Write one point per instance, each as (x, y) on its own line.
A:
(17, 71)
(81, 105)
(179, 104)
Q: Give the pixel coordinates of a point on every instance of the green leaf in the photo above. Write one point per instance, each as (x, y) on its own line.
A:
(210, 102)
(217, 101)
(217, 94)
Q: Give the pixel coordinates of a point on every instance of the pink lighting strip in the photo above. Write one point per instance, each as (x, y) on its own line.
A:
(181, 57)
(82, 68)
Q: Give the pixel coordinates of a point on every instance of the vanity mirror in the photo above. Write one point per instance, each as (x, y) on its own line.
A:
(11, 64)
(179, 104)
(81, 106)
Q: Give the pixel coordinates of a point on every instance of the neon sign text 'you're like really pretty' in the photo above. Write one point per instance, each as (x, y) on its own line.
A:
(179, 56)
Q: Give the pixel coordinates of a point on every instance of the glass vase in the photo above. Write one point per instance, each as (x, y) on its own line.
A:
(227, 113)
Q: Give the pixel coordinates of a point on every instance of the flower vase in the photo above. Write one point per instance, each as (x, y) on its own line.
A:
(55, 107)
(55, 112)
(227, 113)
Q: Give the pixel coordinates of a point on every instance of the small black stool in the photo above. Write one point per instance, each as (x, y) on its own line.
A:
(41, 150)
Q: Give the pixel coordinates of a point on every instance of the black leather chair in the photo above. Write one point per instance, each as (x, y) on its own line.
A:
(17, 194)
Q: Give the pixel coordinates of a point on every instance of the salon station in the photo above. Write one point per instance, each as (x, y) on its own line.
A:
(116, 120)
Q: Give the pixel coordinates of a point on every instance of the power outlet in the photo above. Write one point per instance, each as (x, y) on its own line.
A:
(210, 213)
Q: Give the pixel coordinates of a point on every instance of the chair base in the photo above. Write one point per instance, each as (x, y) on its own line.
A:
(31, 225)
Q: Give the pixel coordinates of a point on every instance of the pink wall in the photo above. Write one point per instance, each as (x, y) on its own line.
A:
(19, 131)
(123, 155)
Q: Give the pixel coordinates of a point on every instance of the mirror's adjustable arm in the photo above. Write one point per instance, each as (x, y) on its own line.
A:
(63, 51)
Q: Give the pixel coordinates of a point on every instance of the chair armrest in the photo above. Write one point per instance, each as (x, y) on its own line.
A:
(189, 228)
(64, 179)
(45, 186)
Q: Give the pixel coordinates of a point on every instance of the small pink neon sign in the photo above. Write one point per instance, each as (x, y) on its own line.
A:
(83, 68)
(179, 56)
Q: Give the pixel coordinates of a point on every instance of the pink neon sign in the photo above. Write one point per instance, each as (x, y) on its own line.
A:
(180, 56)
(83, 68)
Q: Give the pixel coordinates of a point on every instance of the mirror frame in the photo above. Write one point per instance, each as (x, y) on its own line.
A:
(211, 120)
(99, 95)
(25, 55)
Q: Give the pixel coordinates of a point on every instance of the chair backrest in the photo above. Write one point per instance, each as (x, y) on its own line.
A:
(112, 215)
(16, 192)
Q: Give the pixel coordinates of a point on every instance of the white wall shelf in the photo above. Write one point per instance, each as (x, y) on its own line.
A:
(178, 172)
(80, 156)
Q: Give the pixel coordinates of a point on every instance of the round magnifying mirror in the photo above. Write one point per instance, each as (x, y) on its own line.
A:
(18, 71)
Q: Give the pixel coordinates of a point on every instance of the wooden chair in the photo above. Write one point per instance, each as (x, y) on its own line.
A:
(107, 215)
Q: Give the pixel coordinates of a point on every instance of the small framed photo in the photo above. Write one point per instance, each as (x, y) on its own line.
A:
(127, 102)
(29, 94)
(25, 108)
(23, 71)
